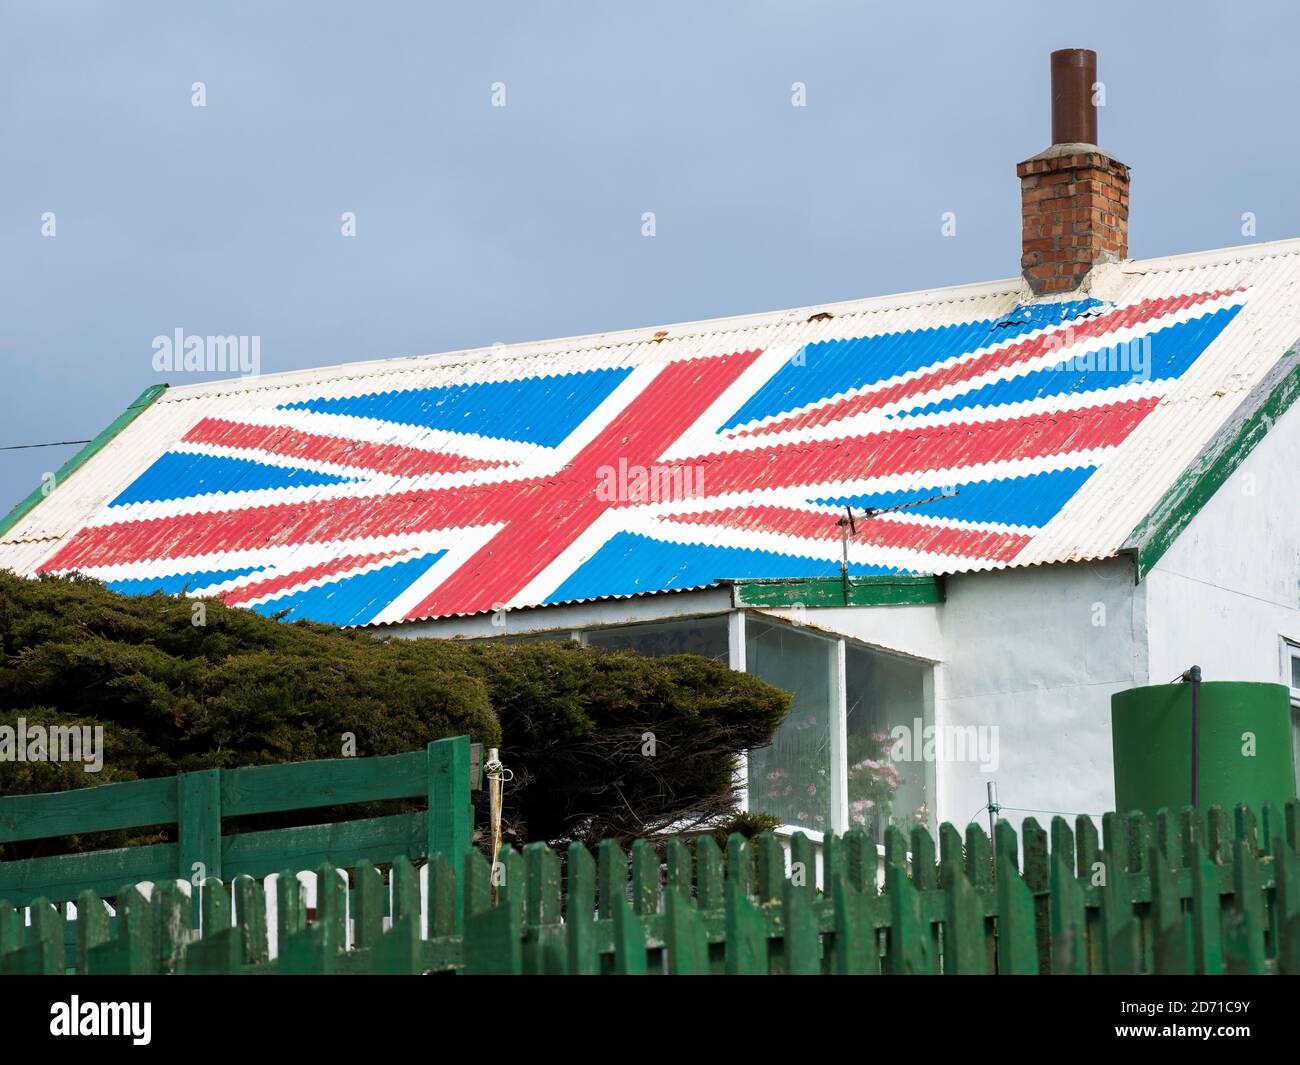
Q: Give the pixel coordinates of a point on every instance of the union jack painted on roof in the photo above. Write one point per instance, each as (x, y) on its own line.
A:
(495, 484)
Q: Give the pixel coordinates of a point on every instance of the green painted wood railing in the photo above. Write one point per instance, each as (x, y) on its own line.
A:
(1187, 894)
(197, 802)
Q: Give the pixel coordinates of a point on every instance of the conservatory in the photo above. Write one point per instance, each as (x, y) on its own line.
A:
(829, 767)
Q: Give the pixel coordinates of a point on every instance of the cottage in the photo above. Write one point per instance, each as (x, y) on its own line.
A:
(952, 523)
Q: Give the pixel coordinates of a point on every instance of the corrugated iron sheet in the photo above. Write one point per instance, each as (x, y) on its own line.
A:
(653, 460)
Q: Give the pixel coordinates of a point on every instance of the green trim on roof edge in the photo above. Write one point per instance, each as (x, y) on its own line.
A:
(1215, 464)
(830, 591)
(81, 457)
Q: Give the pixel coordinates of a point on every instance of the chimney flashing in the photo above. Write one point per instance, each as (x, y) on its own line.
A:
(1055, 151)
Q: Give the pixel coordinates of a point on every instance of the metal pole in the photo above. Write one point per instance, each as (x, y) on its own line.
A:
(844, 559)
(1194, 675)
(494, 773)
(993, 810)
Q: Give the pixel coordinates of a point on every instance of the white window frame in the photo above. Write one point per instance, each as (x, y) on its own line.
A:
(838, 753)
(1290, 654)
(839, 817)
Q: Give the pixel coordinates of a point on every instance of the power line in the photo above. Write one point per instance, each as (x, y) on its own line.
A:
(52, 443)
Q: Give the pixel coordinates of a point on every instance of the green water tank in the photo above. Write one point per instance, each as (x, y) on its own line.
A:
(1246, 746)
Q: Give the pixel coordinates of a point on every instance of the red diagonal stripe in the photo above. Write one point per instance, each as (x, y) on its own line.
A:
(279, 524)
(284, 581)
(877, 532)
(970, 368)
(917, 450)
(396, 459)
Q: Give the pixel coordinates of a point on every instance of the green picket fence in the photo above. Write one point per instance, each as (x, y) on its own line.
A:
(1187, 894)
(196, 803)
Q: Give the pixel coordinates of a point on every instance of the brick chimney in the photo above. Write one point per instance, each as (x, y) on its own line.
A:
(1073, 196)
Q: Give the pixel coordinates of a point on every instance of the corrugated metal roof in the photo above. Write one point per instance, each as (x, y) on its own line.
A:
(660, 459)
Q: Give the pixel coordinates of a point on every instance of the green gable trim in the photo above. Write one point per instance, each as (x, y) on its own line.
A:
(830, 591)
(1215, 464)
(81, 457)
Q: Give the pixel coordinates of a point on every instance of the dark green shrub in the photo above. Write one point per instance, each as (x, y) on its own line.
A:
(242, 689)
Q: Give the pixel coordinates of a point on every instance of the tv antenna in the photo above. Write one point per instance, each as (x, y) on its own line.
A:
(849, 527)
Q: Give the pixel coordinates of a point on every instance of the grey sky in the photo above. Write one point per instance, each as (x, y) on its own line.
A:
(479, 224)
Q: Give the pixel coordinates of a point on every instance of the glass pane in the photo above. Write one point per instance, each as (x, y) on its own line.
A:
(540, 637)
(1295, 669)
(884, 691)
(706, 636)
(792, 778)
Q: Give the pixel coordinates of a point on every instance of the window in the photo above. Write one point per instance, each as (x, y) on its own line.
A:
(830, 765)
(540, 637)
(791, 778)
(884, 692)
(706, 636)
(1291, 678)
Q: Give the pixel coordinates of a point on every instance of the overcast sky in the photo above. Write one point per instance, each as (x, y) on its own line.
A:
(477, 224)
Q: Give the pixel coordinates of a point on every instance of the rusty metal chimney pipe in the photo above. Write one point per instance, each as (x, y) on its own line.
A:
(1074, 115)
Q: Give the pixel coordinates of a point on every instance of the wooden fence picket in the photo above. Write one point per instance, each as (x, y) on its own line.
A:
(545, 948)
(250, 905)
(770, 858)
(709, 878)
(909, 950)
(1170, 931)
(740, 863)
(1207, 934)
(952, 851)
(369, 897)
(580, 913)
(1243, 939)
(645, 878)
(613, 877)
(290, 905)
(1120, 947)
(965, 952)
(1017, 938)
(92, 926)
(803, 865)
(1037, 877)
(680, 866)
(1069, 926)
(174, 918)
(687, 945)
(746, 949)
(799, 934)
(855, 938)
(629, 940)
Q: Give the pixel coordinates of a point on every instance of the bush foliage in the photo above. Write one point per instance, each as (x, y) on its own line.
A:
(601, 744)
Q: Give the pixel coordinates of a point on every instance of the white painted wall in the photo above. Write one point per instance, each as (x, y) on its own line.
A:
(1228, 588)
(1036, 654)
